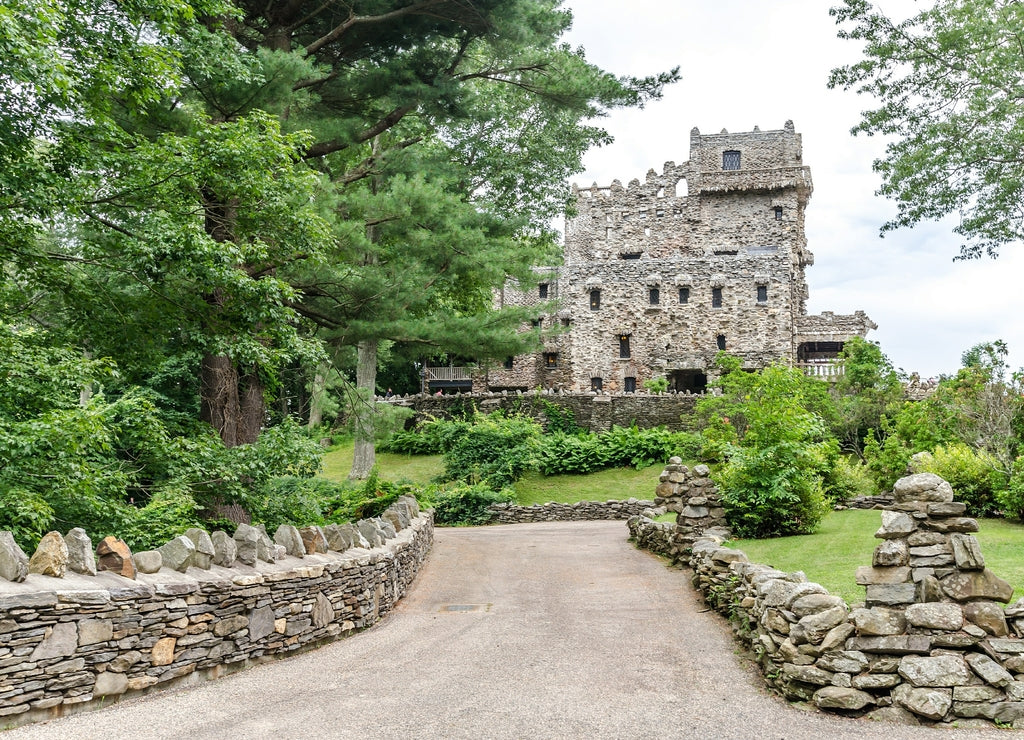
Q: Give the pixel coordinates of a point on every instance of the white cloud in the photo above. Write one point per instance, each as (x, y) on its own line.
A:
(748, 63)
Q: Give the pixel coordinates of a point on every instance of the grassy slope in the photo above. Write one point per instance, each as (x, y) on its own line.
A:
(846, 540)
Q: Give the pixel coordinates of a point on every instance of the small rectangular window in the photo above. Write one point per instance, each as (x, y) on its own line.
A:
(542, 289)
(535, 323)
(730, 160)
(762, 293)
(550, 360)
(654, 296)
(684, 295)
(778, 213)
(721, 341)
(716, 298)
(595, 300)
(596, 384)
(508, 363)
(623, 346)
(630, 385)
(631, 255)
(566, 323)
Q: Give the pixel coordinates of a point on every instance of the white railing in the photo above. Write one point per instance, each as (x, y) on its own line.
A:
(824, 369)
(448, 373)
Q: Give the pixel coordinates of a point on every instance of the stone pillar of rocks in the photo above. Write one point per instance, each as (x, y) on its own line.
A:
(928, 553)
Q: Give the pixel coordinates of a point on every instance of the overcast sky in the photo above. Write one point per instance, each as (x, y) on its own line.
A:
(763, 62)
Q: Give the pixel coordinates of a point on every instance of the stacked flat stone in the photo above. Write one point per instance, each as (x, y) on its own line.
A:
(933, 643)
(693, 496)
(92, 637)
(581, 511)
(928, 552)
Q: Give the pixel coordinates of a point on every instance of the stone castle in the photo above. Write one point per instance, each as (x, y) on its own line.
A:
(661, 275)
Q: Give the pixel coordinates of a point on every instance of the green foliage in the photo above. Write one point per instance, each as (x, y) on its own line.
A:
(773, 479)
(1011, 498)
(169, 512)
(944, 81)
(847, 478)
(495, 450)
(467, 504)
(26, 515)
(431, 437)
(656, 385)
(974, 475)
(560, 418)
(619, 447)
(867, 387)
(292, 500)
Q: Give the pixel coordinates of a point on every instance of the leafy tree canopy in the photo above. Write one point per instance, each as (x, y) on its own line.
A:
(948, 82)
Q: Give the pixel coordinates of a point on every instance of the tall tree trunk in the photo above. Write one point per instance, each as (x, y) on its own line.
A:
(219, 405)
(317, 396)
(364, 410)
(252, 408)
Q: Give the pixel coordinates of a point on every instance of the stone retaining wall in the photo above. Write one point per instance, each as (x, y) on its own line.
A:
(932, 644)
(81, 640)
(578, 512)
(594, 412)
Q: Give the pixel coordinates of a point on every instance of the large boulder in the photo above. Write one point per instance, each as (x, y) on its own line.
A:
(288, 537)
(13, 560)
(247, 539)
(148, 561)
(51, 556)
(203, 557)
(178, 554)
(314, 539)
(922, 487)
(81, 556)
(973, 585)
(114, 555)
(225, 549)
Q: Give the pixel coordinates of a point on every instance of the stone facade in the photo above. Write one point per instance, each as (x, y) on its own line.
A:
(581, 511)
(82, 640)
(660, 275)
(932, 644)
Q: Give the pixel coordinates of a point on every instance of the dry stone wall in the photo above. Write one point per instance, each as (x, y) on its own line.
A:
(933, 643)
(593, 412)
(580, 511)
(89, 636)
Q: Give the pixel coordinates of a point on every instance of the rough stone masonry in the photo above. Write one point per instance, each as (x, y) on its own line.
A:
(933, 642)
(76, 631)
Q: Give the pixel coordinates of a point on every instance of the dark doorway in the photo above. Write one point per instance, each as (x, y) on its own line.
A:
(688, 381)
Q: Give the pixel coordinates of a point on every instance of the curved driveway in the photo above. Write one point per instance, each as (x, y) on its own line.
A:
(556, 630)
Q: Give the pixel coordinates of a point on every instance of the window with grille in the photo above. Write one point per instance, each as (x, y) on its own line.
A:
(762, 293)
(716, 297)
(543, 290)
(684, 295)
(731, 160)
(623, 346)
(508, 363)
(630, 385)
(550, 359)
(595, 300)
(596, 384)
(654, 296)
(778, 213)
(721, 341)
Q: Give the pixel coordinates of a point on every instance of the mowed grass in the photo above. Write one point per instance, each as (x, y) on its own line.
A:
(614, 484)
(845, 540)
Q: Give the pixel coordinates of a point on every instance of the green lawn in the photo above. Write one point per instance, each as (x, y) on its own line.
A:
(614, 484)
(846, 540)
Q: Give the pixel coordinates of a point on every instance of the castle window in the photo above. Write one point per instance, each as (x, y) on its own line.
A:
(721, 341)
(535, 323)
(566, 323)
(596, 384)
(608, 232)
(762, 293)
(508, 363)
(542, 290)
(716, 298)
(730, 160)
(631, 255)
(778, 213)
(647, 231)
(654, 295)
(550, 360)
(623, 346)
(660, 213)
(630, 385)
(595, 300)
(684, 295)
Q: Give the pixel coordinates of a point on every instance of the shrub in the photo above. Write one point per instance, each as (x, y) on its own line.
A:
(1011, 498)
(26, 515)
(494, 450)
(656, 385)
(847, 478)
(617, 448)
(467, 504)
(432, 437)
(290, 499)
(168, 513)
(975, 476)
